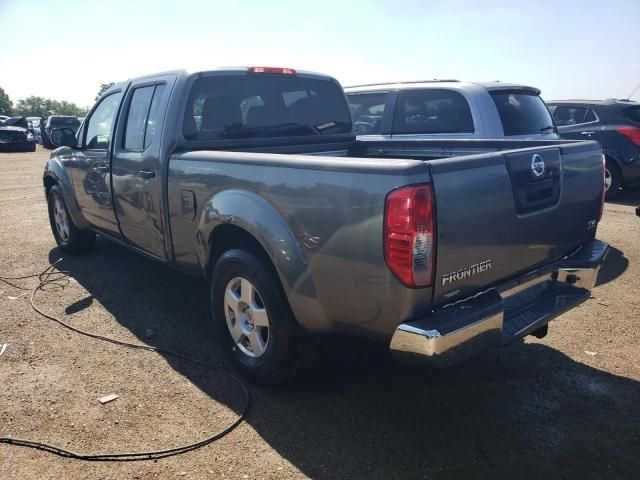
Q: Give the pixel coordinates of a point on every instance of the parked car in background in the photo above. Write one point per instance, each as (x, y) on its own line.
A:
(15, 136)
(252, 178)
(58, 121)
(449, 109)
(35, 124)
(615, 124)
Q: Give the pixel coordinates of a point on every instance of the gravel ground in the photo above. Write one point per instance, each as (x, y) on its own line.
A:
(566, 406)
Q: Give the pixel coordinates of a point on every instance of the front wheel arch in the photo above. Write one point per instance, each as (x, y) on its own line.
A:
(48, 183)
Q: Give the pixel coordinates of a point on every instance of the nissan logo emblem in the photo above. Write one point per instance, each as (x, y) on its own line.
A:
(537, 165)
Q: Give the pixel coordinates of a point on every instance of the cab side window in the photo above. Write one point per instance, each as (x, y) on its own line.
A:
(142, 117)
(100, 124)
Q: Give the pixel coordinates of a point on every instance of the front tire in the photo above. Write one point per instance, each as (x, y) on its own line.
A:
(68, 236)
(253, 320)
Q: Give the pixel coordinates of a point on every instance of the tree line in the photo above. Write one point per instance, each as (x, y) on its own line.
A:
(35, 106)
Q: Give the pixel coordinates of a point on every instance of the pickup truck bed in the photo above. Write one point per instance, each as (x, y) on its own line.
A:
(440, 247)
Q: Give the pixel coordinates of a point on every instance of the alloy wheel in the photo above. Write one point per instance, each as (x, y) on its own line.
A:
(61, 219)
(247, 317)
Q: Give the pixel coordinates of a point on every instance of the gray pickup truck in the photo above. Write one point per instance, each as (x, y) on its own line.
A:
(252, 178)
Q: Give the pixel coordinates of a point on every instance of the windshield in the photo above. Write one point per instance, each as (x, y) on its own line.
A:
(522, 113)
(64, 122)
(263, 106)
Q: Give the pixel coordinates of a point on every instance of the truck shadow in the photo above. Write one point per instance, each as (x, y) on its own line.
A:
(535, 413)
(614, 266)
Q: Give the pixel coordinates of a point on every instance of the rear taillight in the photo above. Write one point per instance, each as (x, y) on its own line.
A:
(272, 70)
(409, 235)
(603, 190)
(632, 133)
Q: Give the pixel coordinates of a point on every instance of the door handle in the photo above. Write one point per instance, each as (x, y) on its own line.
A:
(146, 174)
(587, 133)
(102, 168)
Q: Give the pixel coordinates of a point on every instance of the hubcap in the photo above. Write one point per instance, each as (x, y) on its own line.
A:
(607, 179)
(61, 219)
(246, 316)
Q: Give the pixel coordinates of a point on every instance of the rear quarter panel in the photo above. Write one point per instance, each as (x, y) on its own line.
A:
(320, 219)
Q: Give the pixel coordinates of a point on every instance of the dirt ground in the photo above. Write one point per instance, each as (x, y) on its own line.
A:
(566, 406)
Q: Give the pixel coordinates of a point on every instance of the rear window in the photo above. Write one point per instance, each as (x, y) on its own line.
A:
(367, 110)
(16, 122)
(64, 122)
(432, 111)
(264, 106)
(632, 113)
(522, 113)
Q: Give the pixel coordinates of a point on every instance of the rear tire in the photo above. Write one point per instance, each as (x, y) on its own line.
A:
(68, 236)
(612, 179)
(253, 321)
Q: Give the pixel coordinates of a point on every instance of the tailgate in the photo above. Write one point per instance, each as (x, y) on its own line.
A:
(502, 214)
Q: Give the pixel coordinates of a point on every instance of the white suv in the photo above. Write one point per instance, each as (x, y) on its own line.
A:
(449, 109)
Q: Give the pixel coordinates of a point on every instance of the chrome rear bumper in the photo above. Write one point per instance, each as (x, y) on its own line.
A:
(501, 314)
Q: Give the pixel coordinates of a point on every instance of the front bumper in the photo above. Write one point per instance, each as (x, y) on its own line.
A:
(503, 313)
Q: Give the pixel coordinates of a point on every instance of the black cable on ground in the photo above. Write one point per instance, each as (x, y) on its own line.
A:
(50, 279)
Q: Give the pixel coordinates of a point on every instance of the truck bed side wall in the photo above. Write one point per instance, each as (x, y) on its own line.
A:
(320, 220)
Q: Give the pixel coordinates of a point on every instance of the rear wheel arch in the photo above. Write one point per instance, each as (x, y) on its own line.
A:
(238, 218)
(615, 171)
(228, 237)
(613, 158)
(259, 223)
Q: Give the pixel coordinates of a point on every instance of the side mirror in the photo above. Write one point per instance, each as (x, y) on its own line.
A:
(63, 137)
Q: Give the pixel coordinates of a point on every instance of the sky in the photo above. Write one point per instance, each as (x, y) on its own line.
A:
(569, 49)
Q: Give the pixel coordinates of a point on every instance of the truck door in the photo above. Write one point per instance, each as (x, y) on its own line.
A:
(136, 177)
(90, 165)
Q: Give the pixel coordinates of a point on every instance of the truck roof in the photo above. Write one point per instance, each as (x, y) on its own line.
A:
(455, 84)
(231, 69)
